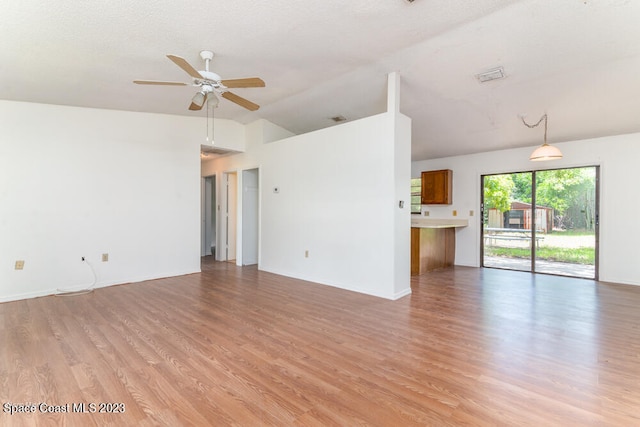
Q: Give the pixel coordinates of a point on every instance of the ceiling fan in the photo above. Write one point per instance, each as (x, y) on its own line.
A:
(210, 84)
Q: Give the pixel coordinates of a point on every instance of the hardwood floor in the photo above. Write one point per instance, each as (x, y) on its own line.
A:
(236, 346)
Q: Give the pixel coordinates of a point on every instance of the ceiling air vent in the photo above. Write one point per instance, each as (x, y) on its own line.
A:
(493, 74)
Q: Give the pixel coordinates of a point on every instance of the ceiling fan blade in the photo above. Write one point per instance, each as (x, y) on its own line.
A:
(157, 82)
(248, 82)
(240, 101)
(182, 63)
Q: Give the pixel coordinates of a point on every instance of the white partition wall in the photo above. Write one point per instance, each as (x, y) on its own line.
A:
(329, 203)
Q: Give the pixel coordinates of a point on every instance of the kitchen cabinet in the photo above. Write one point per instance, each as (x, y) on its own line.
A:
(437, 187)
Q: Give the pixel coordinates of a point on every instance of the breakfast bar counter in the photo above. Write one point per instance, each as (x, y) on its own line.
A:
(433, 243)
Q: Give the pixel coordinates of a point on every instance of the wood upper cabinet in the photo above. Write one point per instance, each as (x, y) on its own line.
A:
(437, 187)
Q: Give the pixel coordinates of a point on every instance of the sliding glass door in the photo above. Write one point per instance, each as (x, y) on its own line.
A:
(506, 236)
(542, 221)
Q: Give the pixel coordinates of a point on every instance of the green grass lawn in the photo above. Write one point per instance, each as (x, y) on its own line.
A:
(548, 253)
(573, 232)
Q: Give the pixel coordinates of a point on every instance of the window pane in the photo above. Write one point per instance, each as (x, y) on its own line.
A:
(416, 192)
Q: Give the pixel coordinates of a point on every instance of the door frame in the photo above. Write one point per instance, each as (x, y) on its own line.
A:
(229, 216)
(209, 212)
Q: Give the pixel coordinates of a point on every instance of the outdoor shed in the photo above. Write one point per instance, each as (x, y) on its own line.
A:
(519, 216)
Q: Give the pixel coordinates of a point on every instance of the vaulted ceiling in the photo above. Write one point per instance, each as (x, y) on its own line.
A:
(577, 60)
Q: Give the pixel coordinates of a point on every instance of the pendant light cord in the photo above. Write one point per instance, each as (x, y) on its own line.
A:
(544, 117)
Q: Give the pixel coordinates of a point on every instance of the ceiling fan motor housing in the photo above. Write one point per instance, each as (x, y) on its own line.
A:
(210, 79)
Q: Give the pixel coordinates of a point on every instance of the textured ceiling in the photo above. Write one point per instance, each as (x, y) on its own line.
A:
(577, 60)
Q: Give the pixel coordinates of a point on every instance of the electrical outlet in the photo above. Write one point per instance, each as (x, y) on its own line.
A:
(105, 257)
(306, 254)
(426, 213)
(471, 212)
(455, 212)
(19, 265)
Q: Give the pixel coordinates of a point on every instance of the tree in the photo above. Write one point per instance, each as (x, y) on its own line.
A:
(570, 192)
(497, 192)
(522, 187)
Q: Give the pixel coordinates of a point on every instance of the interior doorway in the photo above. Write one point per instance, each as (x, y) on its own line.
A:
(542, 221)
(209, 216)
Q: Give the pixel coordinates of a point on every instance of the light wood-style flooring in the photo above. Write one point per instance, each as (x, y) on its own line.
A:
(237, 346)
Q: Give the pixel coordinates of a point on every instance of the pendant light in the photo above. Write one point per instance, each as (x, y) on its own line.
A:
(545, 151)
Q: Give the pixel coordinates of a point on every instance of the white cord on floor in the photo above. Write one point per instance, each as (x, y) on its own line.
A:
(72, 293)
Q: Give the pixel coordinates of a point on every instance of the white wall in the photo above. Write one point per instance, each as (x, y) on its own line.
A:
(619, 174)
(227, 134)
(81, 182)
(337, 199)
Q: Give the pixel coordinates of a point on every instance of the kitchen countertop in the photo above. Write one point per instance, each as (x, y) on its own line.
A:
(438, 223)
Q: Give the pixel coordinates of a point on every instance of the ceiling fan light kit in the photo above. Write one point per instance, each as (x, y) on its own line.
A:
(198, 100)
(212, 100)
(545, 151)
(210, 84)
